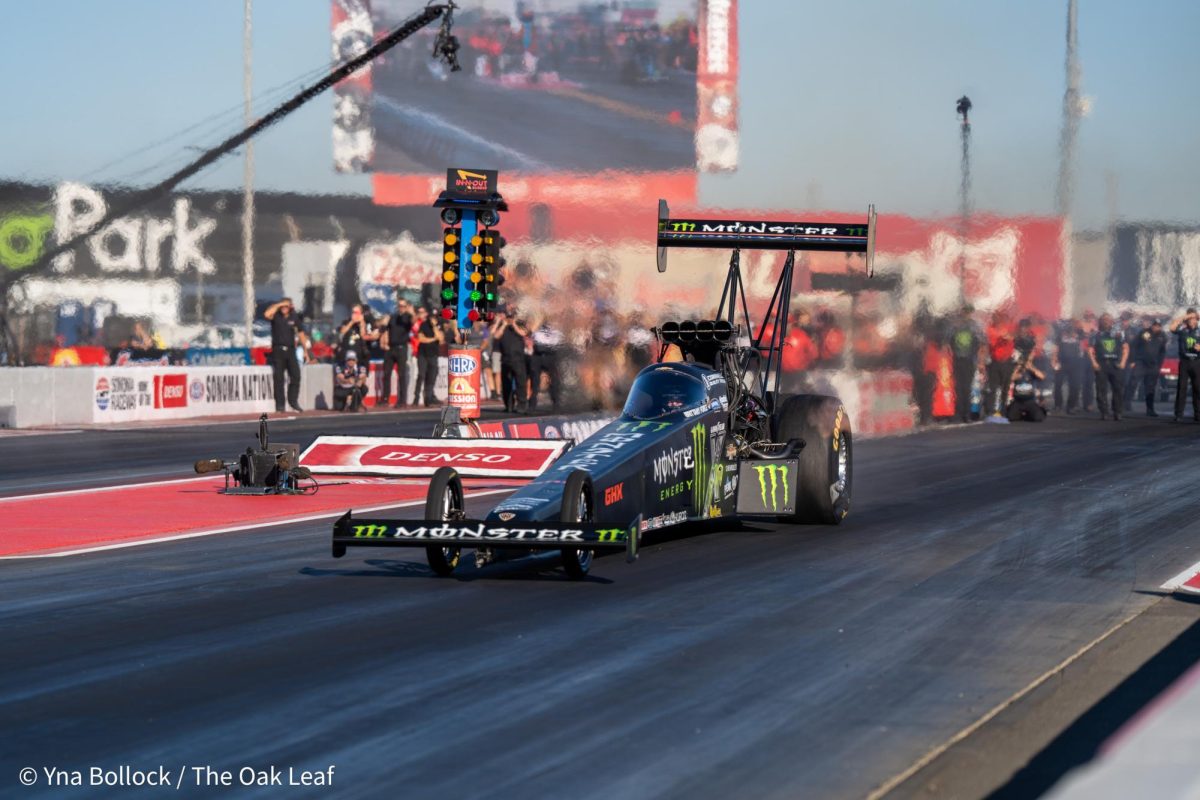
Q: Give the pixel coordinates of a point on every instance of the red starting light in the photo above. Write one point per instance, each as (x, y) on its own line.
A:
(448, 313)
(473, 315)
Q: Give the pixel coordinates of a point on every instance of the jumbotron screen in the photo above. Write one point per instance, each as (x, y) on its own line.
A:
(546, 87)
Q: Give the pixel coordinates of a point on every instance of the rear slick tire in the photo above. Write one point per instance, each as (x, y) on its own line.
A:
(444, 502)
(826, 461)
(577, 507)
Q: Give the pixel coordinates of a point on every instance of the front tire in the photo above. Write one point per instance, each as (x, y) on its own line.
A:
(444, 502)
(826, 462)
(577, 507)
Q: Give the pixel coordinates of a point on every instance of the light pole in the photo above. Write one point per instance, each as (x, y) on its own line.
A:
(963, 108)
(1071, 113)
(248, 177)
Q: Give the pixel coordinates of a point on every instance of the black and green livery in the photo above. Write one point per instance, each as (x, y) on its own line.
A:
(705, 434)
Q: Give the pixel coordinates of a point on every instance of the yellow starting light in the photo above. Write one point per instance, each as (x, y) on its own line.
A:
(451, 257)
(451, 239)
(476, 258)
(476, 240)
(476, 277)
(449, 276)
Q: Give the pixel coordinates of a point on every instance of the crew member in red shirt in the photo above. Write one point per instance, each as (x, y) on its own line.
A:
(1000, 336)
(799, 350)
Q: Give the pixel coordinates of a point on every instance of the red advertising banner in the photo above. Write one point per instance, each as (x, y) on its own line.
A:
(405, 457)
(462, 372)
(170, 391)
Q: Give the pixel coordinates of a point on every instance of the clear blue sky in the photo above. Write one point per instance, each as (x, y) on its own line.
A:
(841, 103)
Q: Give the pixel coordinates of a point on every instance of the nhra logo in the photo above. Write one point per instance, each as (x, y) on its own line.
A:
(102, 394)
(462, 364)
(196, 389)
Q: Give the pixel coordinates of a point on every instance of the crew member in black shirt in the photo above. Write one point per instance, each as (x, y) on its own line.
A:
(1187, 328)
(429, 346)
(356, 334)
(1070, 365)
(509, 333)
(1149, 351)
(1025, 405)
(396, 352)
(285, 332)
(1109, 353)
(965, 345)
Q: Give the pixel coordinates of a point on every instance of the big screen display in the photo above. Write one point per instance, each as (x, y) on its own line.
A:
(547, 87)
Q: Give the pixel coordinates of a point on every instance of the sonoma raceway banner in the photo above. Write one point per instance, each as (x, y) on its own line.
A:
(148, 393)
(403, 457)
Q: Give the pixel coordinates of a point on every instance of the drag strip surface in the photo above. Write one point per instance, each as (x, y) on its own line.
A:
(765, 662)
(49, 461)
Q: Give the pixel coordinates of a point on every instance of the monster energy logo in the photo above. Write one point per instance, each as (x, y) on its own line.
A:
(369, 531)
(1109, 345)
(686, 227)
(700, 474)
(776, 474)
(610, 535)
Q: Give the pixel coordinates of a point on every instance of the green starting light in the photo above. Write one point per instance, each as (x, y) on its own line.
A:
(447, 294)
(491, 296)
(476, 296)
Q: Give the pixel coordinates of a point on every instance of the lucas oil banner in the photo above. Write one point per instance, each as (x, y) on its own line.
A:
(462, 370)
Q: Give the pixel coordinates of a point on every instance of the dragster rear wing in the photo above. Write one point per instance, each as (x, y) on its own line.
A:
(765, 235)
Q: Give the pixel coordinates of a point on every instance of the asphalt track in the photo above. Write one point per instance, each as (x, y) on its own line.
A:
(763, 662)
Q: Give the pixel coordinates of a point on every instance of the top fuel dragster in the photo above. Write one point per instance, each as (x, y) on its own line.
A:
(704, 433)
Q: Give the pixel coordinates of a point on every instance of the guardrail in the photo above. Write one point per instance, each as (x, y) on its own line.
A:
(55, 396)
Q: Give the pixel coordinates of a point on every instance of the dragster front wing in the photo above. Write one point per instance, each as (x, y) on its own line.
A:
(351, 532)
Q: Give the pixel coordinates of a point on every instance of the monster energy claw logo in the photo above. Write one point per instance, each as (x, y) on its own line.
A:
(610, 535)
(369, 531)
(700, 473)
(775, 474)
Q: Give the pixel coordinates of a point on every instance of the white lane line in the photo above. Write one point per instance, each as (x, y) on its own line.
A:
(526, 161)
(925, 760)
(1177, 583)
(15, 433)
(234, 528)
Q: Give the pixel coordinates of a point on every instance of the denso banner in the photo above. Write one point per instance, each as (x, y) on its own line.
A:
(129, 394)
(405, 457)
